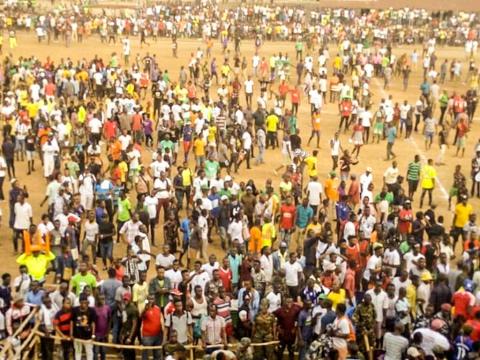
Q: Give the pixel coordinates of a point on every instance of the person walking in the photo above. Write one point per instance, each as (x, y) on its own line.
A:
(391, 136)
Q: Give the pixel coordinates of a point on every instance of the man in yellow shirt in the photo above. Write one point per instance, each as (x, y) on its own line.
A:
(199, 152)
(36, 262)
(463, 210)
(429, 175)
(268, 232)
(311, 162)
(272, 126)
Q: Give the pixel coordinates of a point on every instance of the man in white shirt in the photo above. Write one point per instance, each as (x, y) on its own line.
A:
(23, 219)
(380, 302)
(248, 86)
(314, 192)
(174, 274)
(293, 275)
(374, 265)
(165, 259)
(366, 179)
(390, 175)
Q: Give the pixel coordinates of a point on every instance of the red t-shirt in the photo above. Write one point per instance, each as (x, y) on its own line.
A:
(226, 278)
(462, 300)
(288, 212)
(152, 321)
(110, 129)
(475, 324)
(295, 96)
(283, 89)
(136, 122)
(50, 89)
(405, 219)
(353, 253)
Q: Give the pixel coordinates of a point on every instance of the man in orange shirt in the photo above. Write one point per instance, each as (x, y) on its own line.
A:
(315, 128)
(137, 125)
(295, 97)
(283, 91)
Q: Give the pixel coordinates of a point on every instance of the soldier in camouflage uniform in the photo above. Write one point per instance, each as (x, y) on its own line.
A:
(264, 330)
(364, 321)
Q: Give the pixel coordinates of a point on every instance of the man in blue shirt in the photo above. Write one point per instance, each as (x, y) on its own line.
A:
(391, 136)
(303, 216)
(35, 295)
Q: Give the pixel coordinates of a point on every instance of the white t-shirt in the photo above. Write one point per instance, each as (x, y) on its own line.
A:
(23, 214)
(151, 203)
(165, 261)
(174, 276)
(343, 327)
(409, 258)
(274, 301)
(291, 273)
(157, 167)
(314, 189)
(372, 264)
(3, 166)
(91, 230)
(432, 339)
(248, 86)
(209, 268)
(394, 346)
(95, 125)
(379, 301)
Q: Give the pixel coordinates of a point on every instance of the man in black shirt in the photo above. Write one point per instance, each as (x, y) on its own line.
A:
(106, 231)
(83, 327)
(296, 141)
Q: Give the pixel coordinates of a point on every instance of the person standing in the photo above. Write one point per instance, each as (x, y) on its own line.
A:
(83, 328)
(287, 317)
(152, 324)
(213, 330)
(335, 148)
(22, 220)
(3, 168)
(413, 176)
(429, 175)
(341, 332)
(8, 151)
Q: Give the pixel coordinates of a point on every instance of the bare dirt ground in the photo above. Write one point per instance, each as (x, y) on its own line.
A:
(371, 155)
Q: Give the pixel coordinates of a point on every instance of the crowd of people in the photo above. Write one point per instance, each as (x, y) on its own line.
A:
(150, 238)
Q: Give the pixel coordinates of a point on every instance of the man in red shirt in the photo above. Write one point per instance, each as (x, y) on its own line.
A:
(464, 300)
(405, 218)
(225, 274)
(345, 112)
(475, 325)
(287, 220)
(110, 129)
(152, 321)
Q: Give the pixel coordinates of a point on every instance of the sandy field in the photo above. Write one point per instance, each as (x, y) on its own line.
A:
(371, 155)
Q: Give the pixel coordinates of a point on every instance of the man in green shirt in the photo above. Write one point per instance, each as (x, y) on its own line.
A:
(166, 143)
(211, 168)
(413, 176)
(160, 288)
(83, 278)
(124, 210)
(299, 49)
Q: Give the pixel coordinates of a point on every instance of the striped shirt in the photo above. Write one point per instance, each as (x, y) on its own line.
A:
(413, 171)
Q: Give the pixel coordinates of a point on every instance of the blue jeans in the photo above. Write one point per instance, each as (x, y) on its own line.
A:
(99, 349)
(152, 341)
(106, 251)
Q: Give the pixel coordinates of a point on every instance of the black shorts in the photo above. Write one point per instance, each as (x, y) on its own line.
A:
(412, 185)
